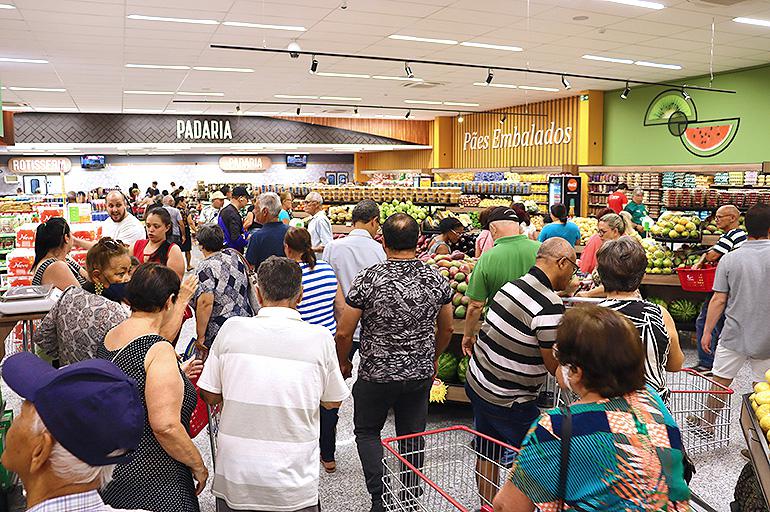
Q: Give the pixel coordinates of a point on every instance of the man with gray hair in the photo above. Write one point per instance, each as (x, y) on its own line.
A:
(268, 240)
(267, 445)
(319, 226)
(514, 354)
(76, 423)
(177, 235)
(637, 209)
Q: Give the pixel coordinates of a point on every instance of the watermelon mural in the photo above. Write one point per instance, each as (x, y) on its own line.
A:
(709, 138)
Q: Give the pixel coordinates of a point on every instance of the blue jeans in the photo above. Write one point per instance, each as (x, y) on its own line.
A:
(507, 424)
(704, 359)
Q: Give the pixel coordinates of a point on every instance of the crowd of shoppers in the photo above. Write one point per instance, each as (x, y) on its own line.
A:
(279, 375)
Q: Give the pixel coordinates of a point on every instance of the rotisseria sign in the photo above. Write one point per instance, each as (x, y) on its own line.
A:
(518, 138)
(245, 163)
(41, 165)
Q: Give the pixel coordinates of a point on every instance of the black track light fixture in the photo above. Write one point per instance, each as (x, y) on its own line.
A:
(313, 66)
(490, 76)
(408, 70)
(355, 112)
(685, 95)
(238, 111)
(299, 109)
(503, 118)
(626, 92)
(460, 118)
(566, 83)
(408, 113)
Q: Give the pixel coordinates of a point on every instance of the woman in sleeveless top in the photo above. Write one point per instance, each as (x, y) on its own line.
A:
(167, 472)
(53, 242)
(450, 228)
(156, 249)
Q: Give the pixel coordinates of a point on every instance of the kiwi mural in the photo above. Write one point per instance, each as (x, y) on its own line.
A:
(677, 111)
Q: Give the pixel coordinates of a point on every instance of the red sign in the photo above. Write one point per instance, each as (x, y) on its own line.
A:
(572, 184)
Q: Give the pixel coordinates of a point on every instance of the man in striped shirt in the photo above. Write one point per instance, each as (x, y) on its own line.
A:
(513, 354)
(728, 220)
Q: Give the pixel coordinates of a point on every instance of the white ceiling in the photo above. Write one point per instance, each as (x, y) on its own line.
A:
(89, 42)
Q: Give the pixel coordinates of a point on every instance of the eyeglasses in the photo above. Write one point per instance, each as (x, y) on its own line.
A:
(575, 266)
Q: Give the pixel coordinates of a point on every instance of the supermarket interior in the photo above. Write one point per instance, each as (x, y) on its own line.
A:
(452, 112)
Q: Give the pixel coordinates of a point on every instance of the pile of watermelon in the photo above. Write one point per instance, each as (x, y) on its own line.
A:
(683, 310)
(452, 368)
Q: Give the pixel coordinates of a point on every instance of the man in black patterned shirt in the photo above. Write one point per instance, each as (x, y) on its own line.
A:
(400, 303)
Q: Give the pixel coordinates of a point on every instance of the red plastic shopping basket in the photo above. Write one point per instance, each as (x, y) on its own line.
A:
(697, 280)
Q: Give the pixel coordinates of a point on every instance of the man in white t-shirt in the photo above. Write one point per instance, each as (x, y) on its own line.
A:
(272, 372)
(121, 225)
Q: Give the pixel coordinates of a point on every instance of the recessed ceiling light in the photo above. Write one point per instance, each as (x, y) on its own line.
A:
(657, 65)
(340, 98)
(156, 93)
(23, 61)
(341, 75)
(262, 113)
(752, 21)
(7, 6)
(502, 86)
(38, 89)
(172, 20)
(579, 18)
(156, 66)
(422, 39)
(639, 3)
(492, 46)
(295, 97)
(21, 108)
(423, 102)
(608, 59)
(143, 111)
(226, 70)
(290, 28)
(181, 93)
(460, 104)
(399, 78)
(534, 88)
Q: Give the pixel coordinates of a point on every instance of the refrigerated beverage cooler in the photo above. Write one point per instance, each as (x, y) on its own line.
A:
(568, 190)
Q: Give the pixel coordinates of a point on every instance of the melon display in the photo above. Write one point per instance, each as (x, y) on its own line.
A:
(709, 138)
(462, 368)
(447, 367)
(657, 300)
(683, 310)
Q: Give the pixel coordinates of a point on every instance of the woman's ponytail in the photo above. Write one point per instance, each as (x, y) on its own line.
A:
(298, 239)
(49, 235)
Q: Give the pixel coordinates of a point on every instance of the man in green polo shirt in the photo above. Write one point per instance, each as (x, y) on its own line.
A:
(637, 210)
(511, 257)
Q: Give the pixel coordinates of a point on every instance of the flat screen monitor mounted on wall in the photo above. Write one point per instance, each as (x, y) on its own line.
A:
(92, 161)
(296, 161)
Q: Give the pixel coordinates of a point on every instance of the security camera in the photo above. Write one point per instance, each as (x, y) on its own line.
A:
(294, 48)
(344, 4)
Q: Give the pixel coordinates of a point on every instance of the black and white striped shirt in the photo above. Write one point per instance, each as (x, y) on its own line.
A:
(730, 241)
(507, 366)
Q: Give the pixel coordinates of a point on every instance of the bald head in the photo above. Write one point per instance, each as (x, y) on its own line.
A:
(555, 248)
(727, 217)
(116, 206)
(503, 228)
(556, 258)
(168, 201)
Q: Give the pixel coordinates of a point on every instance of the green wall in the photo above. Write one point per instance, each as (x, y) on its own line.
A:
(628, 142)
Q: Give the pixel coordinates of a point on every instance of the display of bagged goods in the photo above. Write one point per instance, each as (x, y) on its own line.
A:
(20, 280)
(79, 256)
(87, 231)
(20, 261)
(47, 212)
(25, 236)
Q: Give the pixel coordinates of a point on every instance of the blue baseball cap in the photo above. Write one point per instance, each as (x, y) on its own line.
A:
(91, 408)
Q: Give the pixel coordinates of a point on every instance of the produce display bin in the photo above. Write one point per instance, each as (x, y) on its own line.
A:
(756, 442)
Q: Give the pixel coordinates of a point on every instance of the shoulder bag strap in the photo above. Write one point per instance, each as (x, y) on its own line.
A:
(566, 441)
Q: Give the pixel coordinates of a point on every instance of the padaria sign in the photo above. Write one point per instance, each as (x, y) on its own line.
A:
(203, 129)
(245, 163)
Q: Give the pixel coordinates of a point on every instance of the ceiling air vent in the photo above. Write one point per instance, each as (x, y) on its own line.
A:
(337, 110)
(716, 3)
(422, 85)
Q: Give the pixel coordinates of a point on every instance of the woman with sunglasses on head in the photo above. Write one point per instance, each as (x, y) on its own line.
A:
(53, 242)
(156, 249)
(625, 449)
(611, 226)
(450, 230)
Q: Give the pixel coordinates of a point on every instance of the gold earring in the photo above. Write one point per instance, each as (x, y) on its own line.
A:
(98, 288)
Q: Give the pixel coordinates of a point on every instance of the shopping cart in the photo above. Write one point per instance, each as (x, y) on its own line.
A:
(702, 409)
(439, 471)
